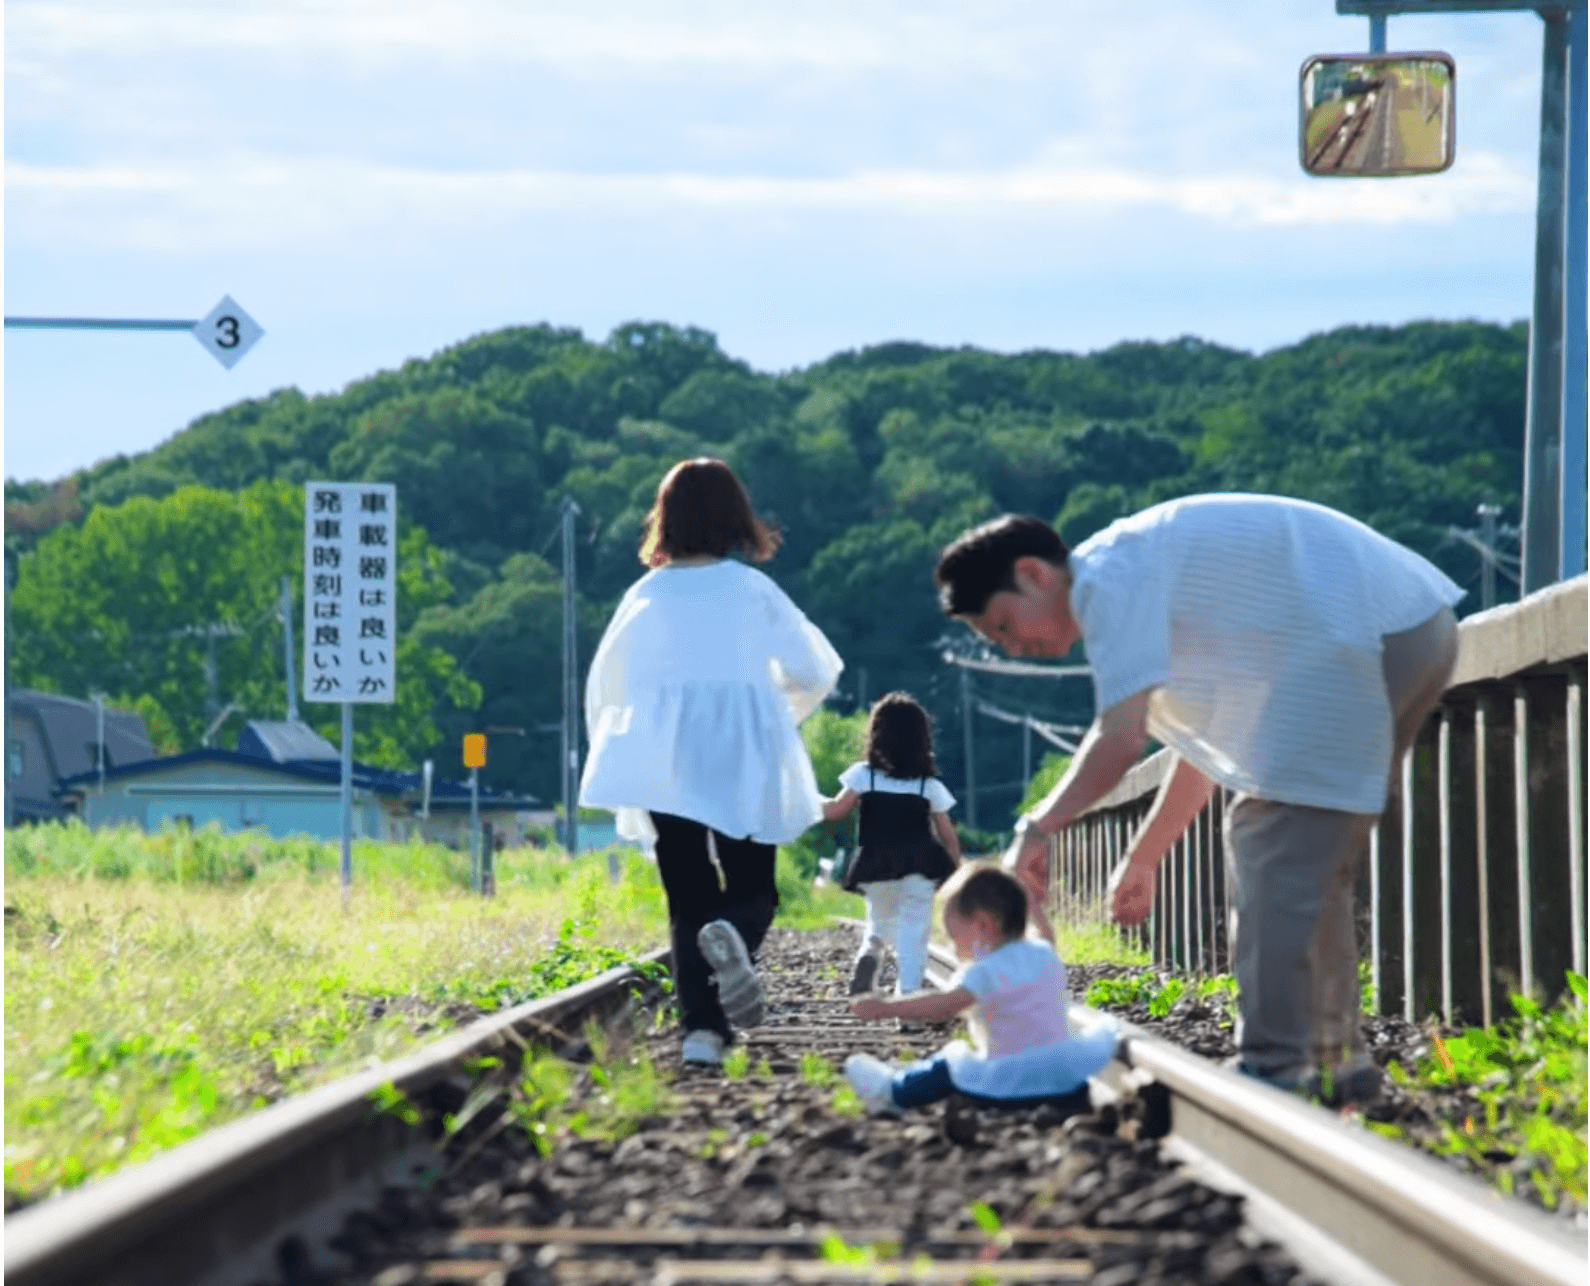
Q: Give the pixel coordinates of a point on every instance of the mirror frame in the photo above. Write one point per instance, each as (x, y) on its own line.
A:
(1303, 108)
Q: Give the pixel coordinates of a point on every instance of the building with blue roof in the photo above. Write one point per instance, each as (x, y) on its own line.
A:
(285, 779)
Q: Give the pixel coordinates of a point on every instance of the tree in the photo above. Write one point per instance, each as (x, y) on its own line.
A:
(170, 605)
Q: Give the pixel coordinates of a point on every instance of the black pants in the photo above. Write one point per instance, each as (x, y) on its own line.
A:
(746, 897)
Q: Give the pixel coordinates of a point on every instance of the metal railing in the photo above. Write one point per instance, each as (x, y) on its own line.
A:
(1475, 881)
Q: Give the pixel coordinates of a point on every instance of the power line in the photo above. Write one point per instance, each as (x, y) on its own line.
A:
(1027, 669)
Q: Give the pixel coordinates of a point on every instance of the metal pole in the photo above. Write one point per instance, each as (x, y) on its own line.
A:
(347, 801)
(971, 770)
(1574, 326)
(1543, 427)
(475, 881)
(1377, 33)
(1026, 751)
(571, 696)
(212, 678)
(5, 664)
(99, 734)
(1488, 515)
(97, 323)
(287, 649)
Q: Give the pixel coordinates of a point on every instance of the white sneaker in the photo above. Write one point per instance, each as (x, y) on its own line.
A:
(739, 989)
(702, 1047)
(873, 1081)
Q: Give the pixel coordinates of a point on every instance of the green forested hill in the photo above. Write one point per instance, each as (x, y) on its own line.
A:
(869, 461)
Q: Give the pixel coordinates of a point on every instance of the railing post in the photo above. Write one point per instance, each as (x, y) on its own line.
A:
(1482, 847)
(1444, 811)
(1407, 887)
(1526, 953)
(1576, 891)
(1374, 916)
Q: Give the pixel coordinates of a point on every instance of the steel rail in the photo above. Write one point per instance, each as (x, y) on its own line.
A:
(193, 1214)
(1348, 1204)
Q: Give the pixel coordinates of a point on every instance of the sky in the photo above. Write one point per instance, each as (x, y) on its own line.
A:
(374, 181)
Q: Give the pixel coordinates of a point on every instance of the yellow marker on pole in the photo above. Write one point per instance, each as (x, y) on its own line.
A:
(475, 760)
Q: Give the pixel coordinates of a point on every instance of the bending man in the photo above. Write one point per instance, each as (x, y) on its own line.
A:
(1278, 648)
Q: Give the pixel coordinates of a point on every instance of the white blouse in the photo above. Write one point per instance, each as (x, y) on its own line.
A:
(693, 701)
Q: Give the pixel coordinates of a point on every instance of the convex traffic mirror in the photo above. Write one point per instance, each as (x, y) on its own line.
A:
(1376, 114)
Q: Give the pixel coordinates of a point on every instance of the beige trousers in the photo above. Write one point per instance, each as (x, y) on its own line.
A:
(1293, 869)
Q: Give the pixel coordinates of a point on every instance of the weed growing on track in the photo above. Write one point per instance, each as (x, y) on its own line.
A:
(1159, 995)
(847, 1102)
(1524, 1086)
(159, 985)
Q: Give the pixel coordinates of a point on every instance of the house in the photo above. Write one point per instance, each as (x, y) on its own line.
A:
(285, 778)
(50, 737)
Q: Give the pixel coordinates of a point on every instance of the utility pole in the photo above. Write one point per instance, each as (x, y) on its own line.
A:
(571, 695)
(1552, 544)
(971, 769)
(1483, 542)
(1488, 515)
(212, 678)
(98, 699)
(287, 648)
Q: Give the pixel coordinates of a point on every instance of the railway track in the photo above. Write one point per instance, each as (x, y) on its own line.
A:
(1182, 1173)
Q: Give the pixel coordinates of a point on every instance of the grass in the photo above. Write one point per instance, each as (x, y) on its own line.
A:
(803, 905)
(157, 986)
(1097, 944)
(1514, 1095)
(1525, 1081)
(1159, 995)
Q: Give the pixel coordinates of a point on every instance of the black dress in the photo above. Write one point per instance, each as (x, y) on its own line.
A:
(896, 839)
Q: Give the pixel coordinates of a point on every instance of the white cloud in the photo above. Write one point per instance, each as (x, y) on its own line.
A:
(616, 32)
(269, 202)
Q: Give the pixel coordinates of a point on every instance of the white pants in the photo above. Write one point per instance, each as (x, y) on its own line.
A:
(900, 915)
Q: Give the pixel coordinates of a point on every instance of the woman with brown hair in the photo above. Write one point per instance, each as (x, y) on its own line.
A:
(692, 706)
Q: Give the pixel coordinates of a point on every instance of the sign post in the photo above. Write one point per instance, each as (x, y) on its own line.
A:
(479, 861)
(227, 332)
(350, 618)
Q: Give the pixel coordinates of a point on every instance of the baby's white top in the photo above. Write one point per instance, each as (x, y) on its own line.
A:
(862, 777)
(1258, 622)
(693, 701)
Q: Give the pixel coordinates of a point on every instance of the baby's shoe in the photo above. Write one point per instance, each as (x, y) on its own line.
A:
(873, 1081)
(703, 1048)
(739, 989)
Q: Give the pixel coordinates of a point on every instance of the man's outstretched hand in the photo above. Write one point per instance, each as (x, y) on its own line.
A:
(1134, 893)
(1028, 860)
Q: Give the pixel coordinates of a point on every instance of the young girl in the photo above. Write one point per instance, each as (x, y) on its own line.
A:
(1025, 1051)
(691, 707)
(907, 842)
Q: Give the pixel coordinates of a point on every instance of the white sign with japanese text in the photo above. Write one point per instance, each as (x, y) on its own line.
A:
(350, 591)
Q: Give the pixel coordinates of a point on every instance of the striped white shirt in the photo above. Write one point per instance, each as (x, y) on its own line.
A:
(1257, 621)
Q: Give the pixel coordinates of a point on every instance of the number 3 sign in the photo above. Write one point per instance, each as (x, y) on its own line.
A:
(228, 332)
